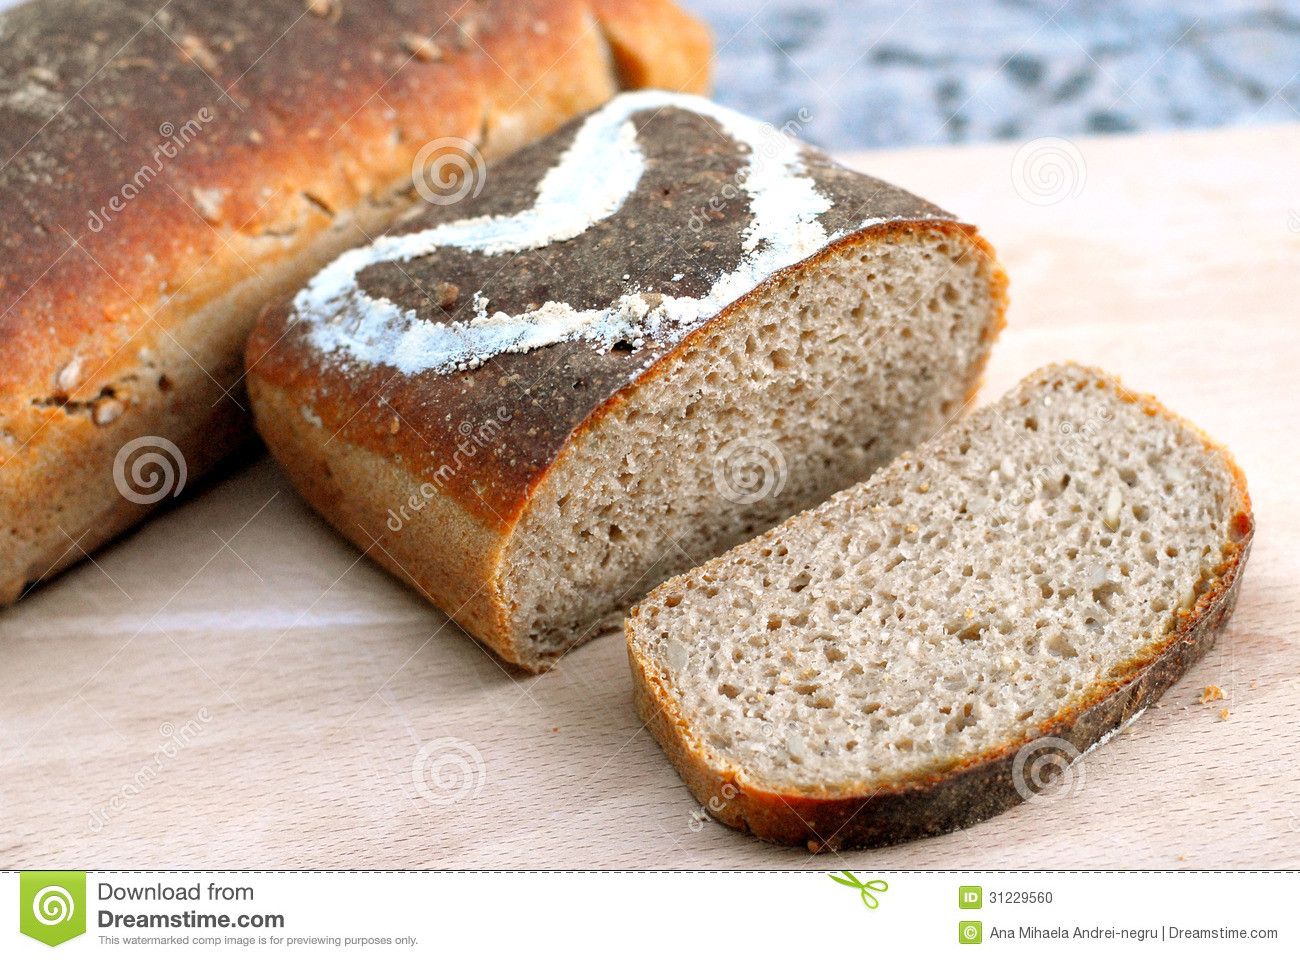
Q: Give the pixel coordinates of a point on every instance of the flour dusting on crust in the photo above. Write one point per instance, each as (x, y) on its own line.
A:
(589, 183)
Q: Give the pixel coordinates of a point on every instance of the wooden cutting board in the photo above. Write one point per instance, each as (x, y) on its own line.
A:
(233, 686)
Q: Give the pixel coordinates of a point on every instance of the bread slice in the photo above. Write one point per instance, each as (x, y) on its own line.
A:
(654, 334)
(921, 651)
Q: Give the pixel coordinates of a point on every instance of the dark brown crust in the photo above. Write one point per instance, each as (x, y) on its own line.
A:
(981, 787)
(298, 143)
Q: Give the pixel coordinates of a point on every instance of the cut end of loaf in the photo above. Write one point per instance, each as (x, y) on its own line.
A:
(870, 671)
(804, 387)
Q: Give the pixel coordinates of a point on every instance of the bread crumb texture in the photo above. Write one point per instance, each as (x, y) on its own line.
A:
(957, 602)
(800, 393)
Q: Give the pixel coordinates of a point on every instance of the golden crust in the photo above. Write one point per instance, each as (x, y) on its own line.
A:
(646, 55)
(977, 788)
(456, 570)
(117, 324)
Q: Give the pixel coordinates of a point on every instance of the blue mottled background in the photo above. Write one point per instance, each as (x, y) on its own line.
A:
(876, 74)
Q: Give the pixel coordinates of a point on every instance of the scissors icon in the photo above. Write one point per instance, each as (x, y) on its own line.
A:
(868, 898)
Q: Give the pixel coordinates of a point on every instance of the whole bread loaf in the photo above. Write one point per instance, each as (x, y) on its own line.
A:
(167, 169)
(653, 334)
(930, 647)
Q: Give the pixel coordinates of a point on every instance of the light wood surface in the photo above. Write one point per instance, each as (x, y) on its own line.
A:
(311, 681)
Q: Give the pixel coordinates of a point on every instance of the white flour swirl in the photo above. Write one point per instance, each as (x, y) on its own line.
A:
(590, 182)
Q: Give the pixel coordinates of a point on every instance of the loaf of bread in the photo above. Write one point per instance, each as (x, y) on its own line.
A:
(653, 334)
(167, 169)
(928, 648)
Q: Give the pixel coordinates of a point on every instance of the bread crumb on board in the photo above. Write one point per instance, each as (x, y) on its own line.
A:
(1223, 714)
(1213, 693)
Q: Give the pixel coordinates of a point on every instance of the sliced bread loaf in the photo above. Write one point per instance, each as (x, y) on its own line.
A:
(654, 334)
(919, 652)
(167, 169)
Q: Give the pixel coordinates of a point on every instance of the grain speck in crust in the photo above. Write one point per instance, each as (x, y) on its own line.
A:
(422, 48)
(69, 377)
(444, 295)
(208, 203)
(197, 51)
(330, 10)
(945, 641)
(106, 410)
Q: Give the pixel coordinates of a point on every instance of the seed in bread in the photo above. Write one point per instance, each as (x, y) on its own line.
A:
(928, 648)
